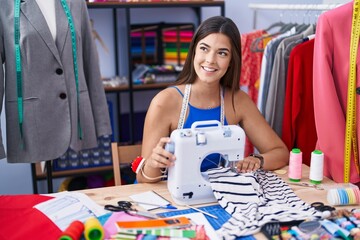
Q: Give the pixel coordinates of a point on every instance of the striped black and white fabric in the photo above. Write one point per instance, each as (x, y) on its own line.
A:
(254, 199)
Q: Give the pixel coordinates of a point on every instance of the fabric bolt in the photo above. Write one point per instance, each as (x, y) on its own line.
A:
(254, 199)
(50, 105)
(274, 106)
(298, 121)
(330, 84)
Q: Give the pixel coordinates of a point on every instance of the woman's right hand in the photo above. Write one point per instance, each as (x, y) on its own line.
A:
(160, 158)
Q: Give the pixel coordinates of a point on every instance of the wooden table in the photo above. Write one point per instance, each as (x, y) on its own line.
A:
(110, 195)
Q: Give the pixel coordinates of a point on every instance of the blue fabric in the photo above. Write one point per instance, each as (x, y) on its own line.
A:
(198, 114)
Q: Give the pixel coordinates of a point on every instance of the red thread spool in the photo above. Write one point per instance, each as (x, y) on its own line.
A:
(73, 231)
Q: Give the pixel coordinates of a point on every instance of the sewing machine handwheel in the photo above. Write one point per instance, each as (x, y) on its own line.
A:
(170, 147)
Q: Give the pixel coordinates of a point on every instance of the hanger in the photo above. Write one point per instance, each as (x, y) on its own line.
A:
(287, 27)
(276, 24)
(284, 28)
(254, 47)
(301, 27)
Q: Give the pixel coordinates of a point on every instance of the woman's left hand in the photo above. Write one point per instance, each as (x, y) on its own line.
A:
(248, 164)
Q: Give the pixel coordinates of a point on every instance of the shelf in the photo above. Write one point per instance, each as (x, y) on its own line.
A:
(79, 171)
(150, 86)
(114, 4)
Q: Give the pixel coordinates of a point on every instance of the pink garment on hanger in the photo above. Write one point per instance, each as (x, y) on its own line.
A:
(330, 84)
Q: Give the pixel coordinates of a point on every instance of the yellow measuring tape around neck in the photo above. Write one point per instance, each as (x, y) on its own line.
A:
(351, 144)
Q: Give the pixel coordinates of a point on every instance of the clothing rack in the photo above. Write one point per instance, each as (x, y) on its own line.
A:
(293, 7)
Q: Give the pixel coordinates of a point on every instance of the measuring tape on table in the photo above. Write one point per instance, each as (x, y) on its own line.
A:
(350, 131)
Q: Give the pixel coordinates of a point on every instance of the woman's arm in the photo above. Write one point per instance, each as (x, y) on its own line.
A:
(262, 136)
(160, 119)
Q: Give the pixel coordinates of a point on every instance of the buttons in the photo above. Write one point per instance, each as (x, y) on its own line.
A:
(59, 71)
(358, 90)
(62, 95)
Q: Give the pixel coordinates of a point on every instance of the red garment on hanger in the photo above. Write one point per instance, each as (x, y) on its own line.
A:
(19, 220)
(298, 121)
(250, 71)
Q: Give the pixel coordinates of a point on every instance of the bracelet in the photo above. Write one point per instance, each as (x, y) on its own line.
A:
(258, 156)
(150, 178)
(138, 164)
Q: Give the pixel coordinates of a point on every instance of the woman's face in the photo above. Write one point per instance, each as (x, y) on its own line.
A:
(212, 57)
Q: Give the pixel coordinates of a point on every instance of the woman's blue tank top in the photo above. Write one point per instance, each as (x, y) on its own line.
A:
(198, 114)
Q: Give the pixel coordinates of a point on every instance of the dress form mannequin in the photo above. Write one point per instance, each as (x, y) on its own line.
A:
(53, 103)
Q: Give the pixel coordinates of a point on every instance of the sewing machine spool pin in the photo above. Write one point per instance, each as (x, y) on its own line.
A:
(186, 183)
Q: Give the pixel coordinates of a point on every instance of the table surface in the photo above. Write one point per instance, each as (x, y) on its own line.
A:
(110, 195)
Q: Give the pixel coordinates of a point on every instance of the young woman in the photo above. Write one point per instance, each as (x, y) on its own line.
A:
(210, 78)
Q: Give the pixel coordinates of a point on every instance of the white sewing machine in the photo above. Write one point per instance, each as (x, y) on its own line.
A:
(186, 183)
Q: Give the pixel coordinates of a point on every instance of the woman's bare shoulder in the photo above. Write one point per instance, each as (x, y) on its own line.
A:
(168, 98)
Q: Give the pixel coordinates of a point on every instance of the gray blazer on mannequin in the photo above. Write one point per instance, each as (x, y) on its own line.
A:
(49, 89)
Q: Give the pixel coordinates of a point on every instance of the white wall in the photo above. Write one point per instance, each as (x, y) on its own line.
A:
(16, 178)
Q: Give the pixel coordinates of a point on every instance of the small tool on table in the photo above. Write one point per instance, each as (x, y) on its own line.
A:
(126, 206)
(167, 206)
(304, 184)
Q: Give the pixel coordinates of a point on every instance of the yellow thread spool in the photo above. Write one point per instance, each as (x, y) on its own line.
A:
(93, 229)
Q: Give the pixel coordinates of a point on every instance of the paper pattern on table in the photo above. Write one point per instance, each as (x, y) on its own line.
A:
(150, 197)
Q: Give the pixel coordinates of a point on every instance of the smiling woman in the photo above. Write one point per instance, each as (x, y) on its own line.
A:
(212, 58)
(208, 89)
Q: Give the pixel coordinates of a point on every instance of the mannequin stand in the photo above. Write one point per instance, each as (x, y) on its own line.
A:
(48, 168)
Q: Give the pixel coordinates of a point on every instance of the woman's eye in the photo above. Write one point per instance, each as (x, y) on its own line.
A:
(223, 54)
(203, 49)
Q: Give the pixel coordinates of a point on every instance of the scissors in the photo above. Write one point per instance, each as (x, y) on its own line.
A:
(322, 207)
(126, 206)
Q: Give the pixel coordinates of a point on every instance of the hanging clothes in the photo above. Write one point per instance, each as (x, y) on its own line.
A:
(250, 71)
(330, 84)
(298, 129)
(251, 63)
(274, 105)
(266, 67)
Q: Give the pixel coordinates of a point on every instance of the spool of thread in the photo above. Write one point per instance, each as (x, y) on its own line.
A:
(316, 167)
(93, 229)
(295, 165)
(73, 231)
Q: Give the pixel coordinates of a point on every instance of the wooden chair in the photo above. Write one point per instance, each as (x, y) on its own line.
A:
(123, 155)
